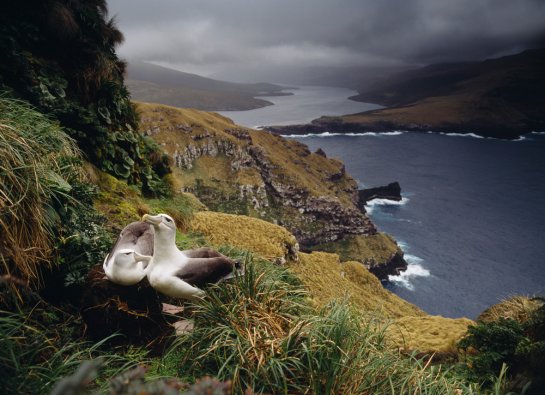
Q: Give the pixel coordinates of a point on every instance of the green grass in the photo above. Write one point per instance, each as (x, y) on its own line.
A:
(34, 356)
(37, 161)
(260, 332)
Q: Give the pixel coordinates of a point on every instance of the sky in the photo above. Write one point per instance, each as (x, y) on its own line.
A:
(245, 39)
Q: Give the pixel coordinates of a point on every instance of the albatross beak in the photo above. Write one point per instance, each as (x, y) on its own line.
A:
(152, 219)
(138, 257)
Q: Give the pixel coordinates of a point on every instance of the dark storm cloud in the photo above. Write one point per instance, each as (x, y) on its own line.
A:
(207, 36)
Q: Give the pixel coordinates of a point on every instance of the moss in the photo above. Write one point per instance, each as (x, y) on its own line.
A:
(429, 333)
(267, 240)
(376, 248)
(327, 279)
(120, 203)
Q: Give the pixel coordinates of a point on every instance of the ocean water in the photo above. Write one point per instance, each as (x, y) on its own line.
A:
(306, 103)
(472, 221)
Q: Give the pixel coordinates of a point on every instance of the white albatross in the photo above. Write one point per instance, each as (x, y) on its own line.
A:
(127, 261)
(180, 274)
(127, 267)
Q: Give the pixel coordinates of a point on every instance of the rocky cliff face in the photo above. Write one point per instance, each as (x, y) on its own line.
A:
(258, 174)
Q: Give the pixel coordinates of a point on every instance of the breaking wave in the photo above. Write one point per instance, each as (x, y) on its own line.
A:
(328, 134)
(414, 269)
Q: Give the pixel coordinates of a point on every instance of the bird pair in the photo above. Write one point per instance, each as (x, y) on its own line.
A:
(148, 248)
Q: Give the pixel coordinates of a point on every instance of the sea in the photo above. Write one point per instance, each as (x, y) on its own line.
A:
(472, 219)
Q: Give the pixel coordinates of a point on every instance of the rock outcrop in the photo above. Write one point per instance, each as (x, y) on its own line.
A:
(256, 173)
(391, 191)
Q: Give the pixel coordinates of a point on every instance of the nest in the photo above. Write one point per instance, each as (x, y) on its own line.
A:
(135, 311)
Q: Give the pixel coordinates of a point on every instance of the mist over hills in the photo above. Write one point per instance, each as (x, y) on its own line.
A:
(502, 97)
(152, 83)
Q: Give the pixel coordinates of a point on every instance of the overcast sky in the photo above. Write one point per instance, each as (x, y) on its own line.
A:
(229, 37)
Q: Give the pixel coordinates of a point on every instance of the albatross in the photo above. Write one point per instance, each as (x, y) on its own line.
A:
(128, 259)
(181, 274)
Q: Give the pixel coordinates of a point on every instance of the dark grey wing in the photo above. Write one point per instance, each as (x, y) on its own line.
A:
(129, 237)
(203, 252)
(202, 271)
(144, 242)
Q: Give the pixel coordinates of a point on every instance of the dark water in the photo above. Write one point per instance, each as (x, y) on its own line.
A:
(473, 227)
(306, 103)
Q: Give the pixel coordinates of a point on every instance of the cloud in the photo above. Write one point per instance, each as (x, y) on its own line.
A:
(208, 36)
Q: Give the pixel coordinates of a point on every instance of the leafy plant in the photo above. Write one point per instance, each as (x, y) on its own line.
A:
(520, 345)
(60, 56)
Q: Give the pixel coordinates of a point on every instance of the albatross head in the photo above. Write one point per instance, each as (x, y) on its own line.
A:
(163, 224)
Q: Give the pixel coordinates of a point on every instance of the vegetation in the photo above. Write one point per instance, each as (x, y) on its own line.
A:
(368, 249)
(518, 344)
(269, 241)
(38, 161)
(60, 56)
(258, 332)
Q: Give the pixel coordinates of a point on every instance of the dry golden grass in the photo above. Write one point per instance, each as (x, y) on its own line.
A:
(327, 279)
(518, 308)
(267, 240)
(377, 248)
(290, 159)
(428, 333)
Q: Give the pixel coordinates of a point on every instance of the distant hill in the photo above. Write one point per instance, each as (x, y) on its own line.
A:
(503, 97)
(152, 83)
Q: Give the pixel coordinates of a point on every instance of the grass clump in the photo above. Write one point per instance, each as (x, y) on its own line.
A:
(259, 332)
(518, 308)
(267, 240)
(39, 349)
(327, 279)
(369, 249)
(37, 162)
(428, 333)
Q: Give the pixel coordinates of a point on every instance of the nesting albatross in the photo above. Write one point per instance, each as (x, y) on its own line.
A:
(180, 274)
(130, 254)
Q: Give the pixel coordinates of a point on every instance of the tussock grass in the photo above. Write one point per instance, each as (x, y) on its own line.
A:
(258, 332)
(327, 279)
(34, 356)
(36, 160)
(518, 308)
(376, 248)
(267, 240)
(428, 334)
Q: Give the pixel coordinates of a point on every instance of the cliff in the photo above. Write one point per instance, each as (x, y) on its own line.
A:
(237, 170)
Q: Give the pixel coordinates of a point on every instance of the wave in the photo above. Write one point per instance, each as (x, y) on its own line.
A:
(537, 133)
(372, 204)
(473, 135)
(414, 269)
(329, 134)
(476, 136)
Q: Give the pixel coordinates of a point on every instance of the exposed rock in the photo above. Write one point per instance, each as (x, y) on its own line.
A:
(391, 191)
(393, 266)
(321, 152)
(266, 176)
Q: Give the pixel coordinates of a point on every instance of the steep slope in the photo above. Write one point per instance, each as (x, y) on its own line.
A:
(152, 83)
(243, 171)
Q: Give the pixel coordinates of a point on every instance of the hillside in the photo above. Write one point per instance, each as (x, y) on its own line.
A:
(243, 171)
(152, 83)
(501, 98)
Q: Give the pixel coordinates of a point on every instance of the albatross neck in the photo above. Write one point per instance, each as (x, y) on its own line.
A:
(164, 245)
